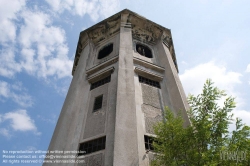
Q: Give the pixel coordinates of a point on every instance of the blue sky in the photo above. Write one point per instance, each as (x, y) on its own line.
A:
(38, 41)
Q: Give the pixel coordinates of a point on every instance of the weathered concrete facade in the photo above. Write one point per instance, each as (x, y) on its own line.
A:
(129, 108)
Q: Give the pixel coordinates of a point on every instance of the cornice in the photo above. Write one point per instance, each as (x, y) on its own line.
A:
(101, 74)
(142, 29)
(101, 66)
(148, 74)
(148, 65)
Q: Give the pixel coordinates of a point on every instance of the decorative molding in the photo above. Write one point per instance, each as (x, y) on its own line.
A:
(167, 40)
(101, 74)
(148, 65)
(96, 34)
(83, 41)
(104, 29)
(142, 29)
(148, 74)
(102, 65)
(126, 25)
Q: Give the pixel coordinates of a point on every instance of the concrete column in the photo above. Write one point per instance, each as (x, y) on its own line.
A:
(125, 145)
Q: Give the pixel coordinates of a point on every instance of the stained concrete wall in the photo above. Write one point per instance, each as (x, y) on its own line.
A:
(77, 123)
(151, 101)
(175, 97)
(69, 126)
(93, 60)
(130, 109)
(102, 122)
(125, 145)
(95, 122)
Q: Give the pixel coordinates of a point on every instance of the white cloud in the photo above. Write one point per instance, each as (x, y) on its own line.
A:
(37, 28)
(8, 65)
(194, 78)
(20, 121)
(41, 49)
(58, 67)
(8, 9)
(244, 115)
(184, 63)
(93, 8)
(108, 7)
(16, 93)
(248, 70)
(5, 132)
(241, 114)
(8, 31)
(8, 13)
(29, 62)
(44, 50)
(4, 89)
(17, 121)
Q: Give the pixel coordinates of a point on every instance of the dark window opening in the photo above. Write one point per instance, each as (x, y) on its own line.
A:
(105, 51)
(98, 103)
(149, 82)
(100, 82)
(148, 142)
(144, 50)
(92, 146)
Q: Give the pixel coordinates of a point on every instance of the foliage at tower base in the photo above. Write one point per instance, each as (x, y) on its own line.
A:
(207, 141)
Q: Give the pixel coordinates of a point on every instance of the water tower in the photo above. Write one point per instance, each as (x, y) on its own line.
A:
(124, 73)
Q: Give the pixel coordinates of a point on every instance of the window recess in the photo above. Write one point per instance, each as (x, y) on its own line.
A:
(92, 146)
(100, 82)
(105, 51)
(144, 50)
(148, 143)
(98, 103)
(149, 82)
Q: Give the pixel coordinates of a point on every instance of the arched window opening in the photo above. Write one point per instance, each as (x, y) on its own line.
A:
(105, 51)
(144, 50)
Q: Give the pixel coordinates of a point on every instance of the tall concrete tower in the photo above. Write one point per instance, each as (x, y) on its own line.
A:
(125, 72)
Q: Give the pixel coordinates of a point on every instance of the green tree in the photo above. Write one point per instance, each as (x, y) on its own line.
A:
(207, 141)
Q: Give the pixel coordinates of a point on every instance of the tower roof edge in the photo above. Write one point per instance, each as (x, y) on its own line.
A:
(142, 29)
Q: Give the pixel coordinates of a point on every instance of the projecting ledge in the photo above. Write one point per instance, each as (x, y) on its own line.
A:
(148, 65)
(102, 65)
(100, 75)
(148, 74)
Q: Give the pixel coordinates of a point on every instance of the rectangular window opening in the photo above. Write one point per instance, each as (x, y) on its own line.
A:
(98, 103)
(100, 82)
(149, 82)
(92, 146)
(148, 143)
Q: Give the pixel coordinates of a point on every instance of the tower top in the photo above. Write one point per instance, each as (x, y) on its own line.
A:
(143, 30)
